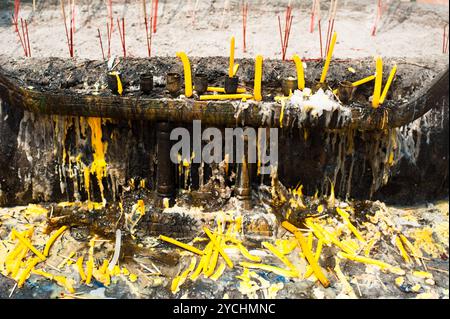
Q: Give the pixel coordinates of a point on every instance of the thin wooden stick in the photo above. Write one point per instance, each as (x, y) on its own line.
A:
(63, 10)
(68, 37)
(15, 21)
(101, 43)
(331, 32)
(72, 25)
(109, 35)
(446, 44)
(122, 36)
(16, 11)
(148, 35)
(281, 36)
(28, 38)
(287, 37)
(244, 24)
(320, 39)
(445, 40)
(24, 36)
(155, 15)
(284, 39)
(377, 18)
(331, 19)
(16, 27)
(313, 13)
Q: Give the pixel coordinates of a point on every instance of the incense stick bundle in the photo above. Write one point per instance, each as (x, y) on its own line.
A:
(284, 39)
(70, 31)
(15, 21)
(148, 24)
(331, 18)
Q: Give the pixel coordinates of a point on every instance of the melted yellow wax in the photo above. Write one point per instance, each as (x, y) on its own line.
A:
(98, 165)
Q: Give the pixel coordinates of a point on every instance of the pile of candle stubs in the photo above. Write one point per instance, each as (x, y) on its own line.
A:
(334, 251)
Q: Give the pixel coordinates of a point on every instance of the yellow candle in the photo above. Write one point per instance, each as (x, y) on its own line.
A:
(79, 265)
(28, 244)
(258, 77)
(388, 84)
(218, 247)
(213, 260)
(90, 263)
(370, 245)
(422, 274)
(218, 272)
(309, 270)
(182, 245)
(365, 80)
(280, 256)
(52, 240)
(378, 82)
(365, 260)
(27, 271)
(203, 261)
(247, 254)
(222, 90)
(230, 71)
(225, 97)
(402, 250)
(328, 60)
(415, 253)
(307, 253)
(187, 74)
(235, 69)
(351, 227)
(300, 72)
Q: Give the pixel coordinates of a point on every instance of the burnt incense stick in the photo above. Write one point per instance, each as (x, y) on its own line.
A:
(28, 38)
(122, 36)
(101, 43)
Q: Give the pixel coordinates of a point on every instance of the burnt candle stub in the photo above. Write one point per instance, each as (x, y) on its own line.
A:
(289, 85)
(201, 83)
(173, 83)
(113, 79)
(146, 83)
(231, 84)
